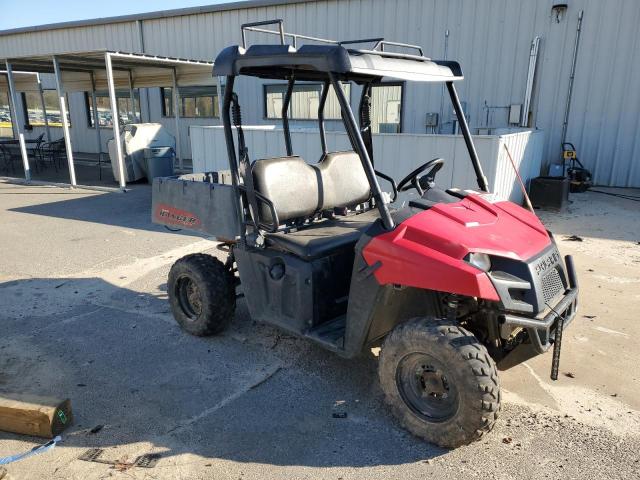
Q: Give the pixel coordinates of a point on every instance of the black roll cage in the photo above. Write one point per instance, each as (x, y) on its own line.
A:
(359, 133)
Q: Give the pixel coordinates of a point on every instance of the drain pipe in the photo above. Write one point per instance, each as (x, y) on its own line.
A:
(571, 77)
(531, 76)
(446, 51)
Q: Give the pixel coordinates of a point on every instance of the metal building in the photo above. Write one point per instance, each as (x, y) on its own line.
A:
(517, 56)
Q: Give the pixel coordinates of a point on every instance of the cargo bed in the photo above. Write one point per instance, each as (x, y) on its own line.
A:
(200, 202)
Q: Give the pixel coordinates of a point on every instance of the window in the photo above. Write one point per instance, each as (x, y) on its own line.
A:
(5, 111)
(304, 101)
(32, 106)
(195, 102)
(386, 108)
(104, 108)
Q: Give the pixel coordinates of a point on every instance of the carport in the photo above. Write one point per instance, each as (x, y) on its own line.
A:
(100, 70)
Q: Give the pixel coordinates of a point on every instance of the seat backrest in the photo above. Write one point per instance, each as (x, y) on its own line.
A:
(343, 181)
(299, 190)
(290, 183)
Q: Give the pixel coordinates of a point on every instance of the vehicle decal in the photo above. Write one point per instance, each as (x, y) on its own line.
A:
(174, 216)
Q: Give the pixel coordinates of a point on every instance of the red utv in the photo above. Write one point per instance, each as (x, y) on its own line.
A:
(452, 286)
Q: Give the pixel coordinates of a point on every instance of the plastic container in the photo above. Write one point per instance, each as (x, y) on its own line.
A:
(159, 162)
(549, 192)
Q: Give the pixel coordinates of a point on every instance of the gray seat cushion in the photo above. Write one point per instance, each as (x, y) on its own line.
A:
(322, 238)
(299, 190)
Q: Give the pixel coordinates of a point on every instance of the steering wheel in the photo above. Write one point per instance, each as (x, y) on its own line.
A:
(424, 182)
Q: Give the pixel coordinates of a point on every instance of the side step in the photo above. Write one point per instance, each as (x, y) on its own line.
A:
(329, 334)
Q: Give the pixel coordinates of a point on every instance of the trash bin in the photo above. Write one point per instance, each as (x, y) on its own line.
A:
(159, 162)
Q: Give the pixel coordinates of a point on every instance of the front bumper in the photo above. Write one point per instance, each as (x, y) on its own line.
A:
(541, 329)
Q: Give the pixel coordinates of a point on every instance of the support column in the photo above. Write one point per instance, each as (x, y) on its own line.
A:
(96, 121)
(63, 118)
(16, 123)
(116, 120)
(176, 114)
(44, 107)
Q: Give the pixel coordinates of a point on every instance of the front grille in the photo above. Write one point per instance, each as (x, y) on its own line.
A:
(552, 285)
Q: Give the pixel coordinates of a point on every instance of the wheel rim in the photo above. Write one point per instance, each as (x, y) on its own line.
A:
(426, 387)
(189, 297)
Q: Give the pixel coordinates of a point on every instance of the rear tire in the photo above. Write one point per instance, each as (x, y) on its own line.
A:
(440, 381)
(202, 294)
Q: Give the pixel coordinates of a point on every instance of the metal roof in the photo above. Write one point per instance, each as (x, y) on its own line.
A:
(153, 15)
(143, 70)
(313, 62)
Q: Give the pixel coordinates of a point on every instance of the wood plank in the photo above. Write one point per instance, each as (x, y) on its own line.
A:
(34, 415)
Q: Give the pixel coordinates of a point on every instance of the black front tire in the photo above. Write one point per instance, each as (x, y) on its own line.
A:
(202, 294)
(439, 381)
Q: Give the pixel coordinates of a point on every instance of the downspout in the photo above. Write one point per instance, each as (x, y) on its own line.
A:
(531, 75)
(571, 77)
(446, 48)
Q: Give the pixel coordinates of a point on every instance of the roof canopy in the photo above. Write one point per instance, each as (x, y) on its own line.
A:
(145, 70)
(314, 62)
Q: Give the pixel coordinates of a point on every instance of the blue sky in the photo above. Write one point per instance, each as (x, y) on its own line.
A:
(24, 13)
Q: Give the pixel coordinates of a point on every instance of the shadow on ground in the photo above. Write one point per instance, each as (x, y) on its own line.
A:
(116, 209)
(251, 395)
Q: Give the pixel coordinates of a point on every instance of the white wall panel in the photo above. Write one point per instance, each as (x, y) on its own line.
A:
(395, 155)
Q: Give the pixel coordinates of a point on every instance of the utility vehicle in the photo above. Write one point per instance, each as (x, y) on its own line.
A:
(451, 286)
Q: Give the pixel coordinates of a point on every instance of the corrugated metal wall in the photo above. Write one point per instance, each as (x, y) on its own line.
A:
(490, 38)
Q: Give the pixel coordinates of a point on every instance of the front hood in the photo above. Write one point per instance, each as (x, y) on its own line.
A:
(475, 225)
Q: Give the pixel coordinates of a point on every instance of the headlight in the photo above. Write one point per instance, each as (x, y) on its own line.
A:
(479, 260)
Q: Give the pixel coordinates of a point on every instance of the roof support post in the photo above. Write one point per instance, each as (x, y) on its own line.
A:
(16, 123)
(113, 100)
(220, 86)
(225, 115)
(285, 115)
(323, 100)
(462, 120)
(44, 107)
(364, 115)
(63, 119)
(352, 129)
(96, 121)
(176, 115)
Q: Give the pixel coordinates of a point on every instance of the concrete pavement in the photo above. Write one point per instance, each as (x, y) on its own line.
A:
(84, 314)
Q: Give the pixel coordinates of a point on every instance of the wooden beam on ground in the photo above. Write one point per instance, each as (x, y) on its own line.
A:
(34, 415)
